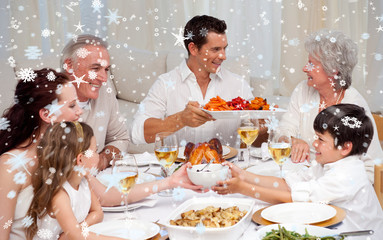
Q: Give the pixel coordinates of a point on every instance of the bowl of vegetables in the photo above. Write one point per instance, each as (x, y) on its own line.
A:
(295, 231)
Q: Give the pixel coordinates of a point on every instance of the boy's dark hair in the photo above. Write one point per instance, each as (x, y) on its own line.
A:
(346, 123)
(198, 27)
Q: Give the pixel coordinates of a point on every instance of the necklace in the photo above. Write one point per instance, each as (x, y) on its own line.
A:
(323, 104)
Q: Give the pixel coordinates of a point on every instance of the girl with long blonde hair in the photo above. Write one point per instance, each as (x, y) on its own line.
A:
(63, 204)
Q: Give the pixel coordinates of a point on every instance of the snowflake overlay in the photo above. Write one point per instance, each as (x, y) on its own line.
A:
(51, 76)
(82, 52)
(26, 74)
(4, 123)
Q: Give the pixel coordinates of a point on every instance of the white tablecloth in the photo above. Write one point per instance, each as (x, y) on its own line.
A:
(166, 205)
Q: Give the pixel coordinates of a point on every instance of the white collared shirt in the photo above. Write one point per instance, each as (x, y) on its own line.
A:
(343, 183)
(173, 90)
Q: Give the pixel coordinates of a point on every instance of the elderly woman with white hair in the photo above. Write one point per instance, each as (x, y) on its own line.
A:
(332, 57)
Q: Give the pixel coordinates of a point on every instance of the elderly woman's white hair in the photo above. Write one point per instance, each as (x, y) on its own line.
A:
(70, 49)
(337, 53)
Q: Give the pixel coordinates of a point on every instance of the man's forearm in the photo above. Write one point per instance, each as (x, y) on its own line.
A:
(152, 126)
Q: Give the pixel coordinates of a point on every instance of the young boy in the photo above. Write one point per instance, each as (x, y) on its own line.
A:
(337, 176)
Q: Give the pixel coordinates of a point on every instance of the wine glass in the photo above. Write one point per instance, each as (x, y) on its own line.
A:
(248, 131)
(279, 147)
(126, 172)
(166, 151)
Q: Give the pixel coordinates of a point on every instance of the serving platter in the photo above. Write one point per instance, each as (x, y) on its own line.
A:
(260, 114)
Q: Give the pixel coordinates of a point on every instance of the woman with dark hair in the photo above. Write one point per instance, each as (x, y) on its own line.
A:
(49, 98)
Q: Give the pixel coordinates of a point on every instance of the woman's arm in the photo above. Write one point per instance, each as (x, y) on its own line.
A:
(9, 191)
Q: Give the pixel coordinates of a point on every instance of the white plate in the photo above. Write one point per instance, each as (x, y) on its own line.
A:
(271, 168)
(312, 230)
(260, 114)
(131, 229)
(147, 202)
(181, 150)
(298, 212)
(105, 177)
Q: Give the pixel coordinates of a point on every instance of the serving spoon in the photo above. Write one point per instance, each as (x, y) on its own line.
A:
(353, 233)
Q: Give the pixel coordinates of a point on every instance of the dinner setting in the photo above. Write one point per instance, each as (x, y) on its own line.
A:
(191, 120)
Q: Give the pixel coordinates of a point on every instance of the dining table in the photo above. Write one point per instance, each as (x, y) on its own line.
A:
(165, 205)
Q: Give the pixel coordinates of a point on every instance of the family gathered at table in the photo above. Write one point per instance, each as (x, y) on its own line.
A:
(55, 143)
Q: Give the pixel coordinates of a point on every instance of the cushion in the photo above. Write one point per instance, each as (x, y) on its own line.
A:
(135, 71)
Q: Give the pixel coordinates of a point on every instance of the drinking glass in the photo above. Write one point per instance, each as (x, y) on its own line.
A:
(166, 151)
(126, 172)
(248, 131)
(279, 147)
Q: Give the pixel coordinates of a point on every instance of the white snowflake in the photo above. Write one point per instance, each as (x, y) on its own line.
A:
(46, 33)
(82, 52)
(27, 221)
(20, 177)
(78, 80)
(203, 32)
(342, 83)
(96, 5)
(33, 52)
(113, 17)
(15, 24)
(100, 114)
(178, 194)
(170, 83)
(84, 229)
(11, 61)
(26, 74)
(4, 123)
(18, 161)
(11, 194)
(189, 35)
(93, 171)
(294, 42)
(92, 75)
(332, 39)
(44, 233)
(109, 90)
(272, 123)
(54, 108)
(7, 224)
(310, 67)
(79, 169)
(51, 76)
(88, 153)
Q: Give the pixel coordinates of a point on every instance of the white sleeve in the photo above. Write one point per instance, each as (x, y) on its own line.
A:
(153, 106)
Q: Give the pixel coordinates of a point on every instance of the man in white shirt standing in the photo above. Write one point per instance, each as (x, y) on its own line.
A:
(86, 61)
(173, 103)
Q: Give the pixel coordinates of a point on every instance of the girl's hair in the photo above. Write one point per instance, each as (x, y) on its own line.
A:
(57, 153)
(336, 52)
(346, 123)
(23, 117)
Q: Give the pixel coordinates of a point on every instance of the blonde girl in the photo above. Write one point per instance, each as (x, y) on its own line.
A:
(63, 204)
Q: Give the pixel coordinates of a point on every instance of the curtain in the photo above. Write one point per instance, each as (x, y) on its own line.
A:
(268, 33)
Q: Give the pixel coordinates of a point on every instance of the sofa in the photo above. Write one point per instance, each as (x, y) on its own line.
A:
(133, 73)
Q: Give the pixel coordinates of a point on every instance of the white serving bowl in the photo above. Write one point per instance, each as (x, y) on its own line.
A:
(299, 228)
(209, 176)
(191, 233)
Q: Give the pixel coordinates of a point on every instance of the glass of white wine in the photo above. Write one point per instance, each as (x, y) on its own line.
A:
(248, 131)
(279, 147)
(126, 172)
(166, 151)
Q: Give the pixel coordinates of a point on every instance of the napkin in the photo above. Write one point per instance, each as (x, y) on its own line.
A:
(145, 159)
